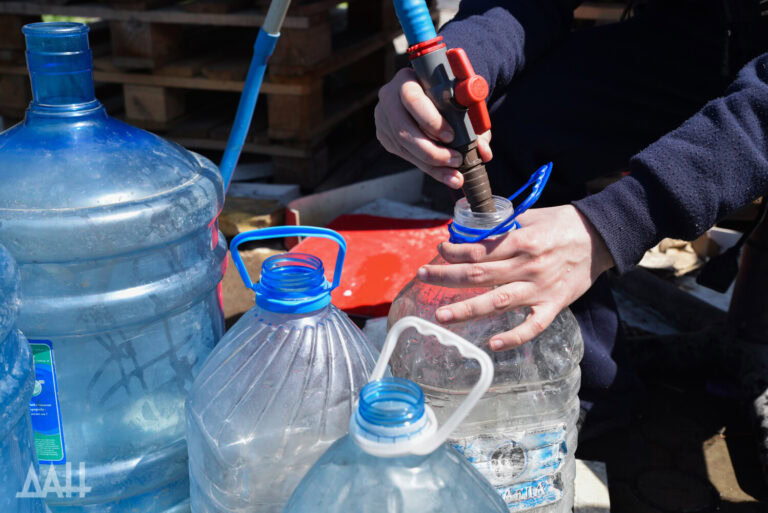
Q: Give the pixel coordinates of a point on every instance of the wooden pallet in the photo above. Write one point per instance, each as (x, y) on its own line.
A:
(299, 68)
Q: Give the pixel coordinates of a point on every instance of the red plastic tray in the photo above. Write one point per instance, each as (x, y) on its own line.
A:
(383, 255)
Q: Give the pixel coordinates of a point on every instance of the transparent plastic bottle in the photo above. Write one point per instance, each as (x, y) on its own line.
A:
(522, 434)
(395, 459)
(280, 386)
(114, 231)
(17, 381)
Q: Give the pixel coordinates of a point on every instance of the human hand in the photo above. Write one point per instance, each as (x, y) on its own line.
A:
(545, 265)
(409, 125)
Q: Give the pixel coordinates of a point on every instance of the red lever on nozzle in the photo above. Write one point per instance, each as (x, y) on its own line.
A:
(471, 90)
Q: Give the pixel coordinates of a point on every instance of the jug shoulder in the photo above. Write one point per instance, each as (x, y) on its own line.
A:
(442, 481)
(91, 161)
(267, 378)
(99, 189)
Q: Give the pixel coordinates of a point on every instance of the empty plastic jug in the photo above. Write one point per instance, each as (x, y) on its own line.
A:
(279, 387)
(522, 435)
(394, 459)
(17, 381)
(114, 231)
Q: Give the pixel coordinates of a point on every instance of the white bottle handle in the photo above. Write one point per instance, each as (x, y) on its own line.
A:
(447, 338)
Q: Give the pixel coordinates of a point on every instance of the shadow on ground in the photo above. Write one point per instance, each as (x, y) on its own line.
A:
(690, 448)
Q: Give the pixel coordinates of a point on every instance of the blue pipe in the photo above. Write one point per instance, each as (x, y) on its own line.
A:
(262, 50)
(416, 20)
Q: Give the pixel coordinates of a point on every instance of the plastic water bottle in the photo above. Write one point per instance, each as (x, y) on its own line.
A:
(114, 231)
(394, 459)
(17, 382)
(522, 434)
(280, 386)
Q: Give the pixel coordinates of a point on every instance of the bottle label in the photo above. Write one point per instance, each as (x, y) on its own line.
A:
(524, 466)
(44, 406)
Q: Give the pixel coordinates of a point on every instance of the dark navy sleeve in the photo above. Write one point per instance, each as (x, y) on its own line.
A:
(500, 36)
(692, 177)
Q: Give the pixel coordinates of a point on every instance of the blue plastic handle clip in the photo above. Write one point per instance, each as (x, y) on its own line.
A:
(537, 182)
(279, 232)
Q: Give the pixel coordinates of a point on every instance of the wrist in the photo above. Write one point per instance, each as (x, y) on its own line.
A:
(602, 259)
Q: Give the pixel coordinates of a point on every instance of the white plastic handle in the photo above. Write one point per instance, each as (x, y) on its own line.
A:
(447, 338)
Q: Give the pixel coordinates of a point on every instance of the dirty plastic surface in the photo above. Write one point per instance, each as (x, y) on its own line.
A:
(114, 230)
(276, 392)
(17, 381)
(522, 435)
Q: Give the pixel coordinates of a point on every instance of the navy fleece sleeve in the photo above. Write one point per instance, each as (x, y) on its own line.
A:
(500, 36)
(682, 184)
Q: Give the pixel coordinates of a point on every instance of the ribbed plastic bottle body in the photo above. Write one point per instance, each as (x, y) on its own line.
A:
(522, 434)
(275, 393)
(121, 260)
(346, 479)
(17, 380)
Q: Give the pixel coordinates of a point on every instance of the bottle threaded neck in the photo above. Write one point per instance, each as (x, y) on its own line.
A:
(292, 282)
(390, 409)
(60, 66)
(463, 215)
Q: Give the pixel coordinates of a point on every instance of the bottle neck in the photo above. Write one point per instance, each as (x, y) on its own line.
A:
(390, 410)
(464, 217)
(60, 68)
(292, 283)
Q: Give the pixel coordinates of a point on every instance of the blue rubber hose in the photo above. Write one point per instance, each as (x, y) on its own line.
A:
(416, 20)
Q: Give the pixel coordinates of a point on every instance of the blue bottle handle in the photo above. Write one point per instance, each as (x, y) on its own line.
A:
(536, 182)
(279, 232)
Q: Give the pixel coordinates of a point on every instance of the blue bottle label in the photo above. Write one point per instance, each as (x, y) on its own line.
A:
(524, 466)
(44, 406)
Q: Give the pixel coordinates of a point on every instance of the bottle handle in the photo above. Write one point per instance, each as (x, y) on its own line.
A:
(279, 232)
(447, 338)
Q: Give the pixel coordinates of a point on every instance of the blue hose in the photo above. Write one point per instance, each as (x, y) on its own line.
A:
(416, 21)
(262, 50)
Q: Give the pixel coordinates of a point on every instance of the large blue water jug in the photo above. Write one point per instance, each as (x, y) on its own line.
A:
(395, 459)
(17, 454)
(279, 388)
(115, 233)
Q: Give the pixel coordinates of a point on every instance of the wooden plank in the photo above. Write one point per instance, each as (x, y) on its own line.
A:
(175, 82)
(175, 14)
(226, 70)
(216, 6)
(293, 117)
(312, 126)
(349, 52)
(153, 106)
(138, 45)
(185, 68)
(140, 5)
(279, 150)
(243, 214)
(304, 48)
(600, 11)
